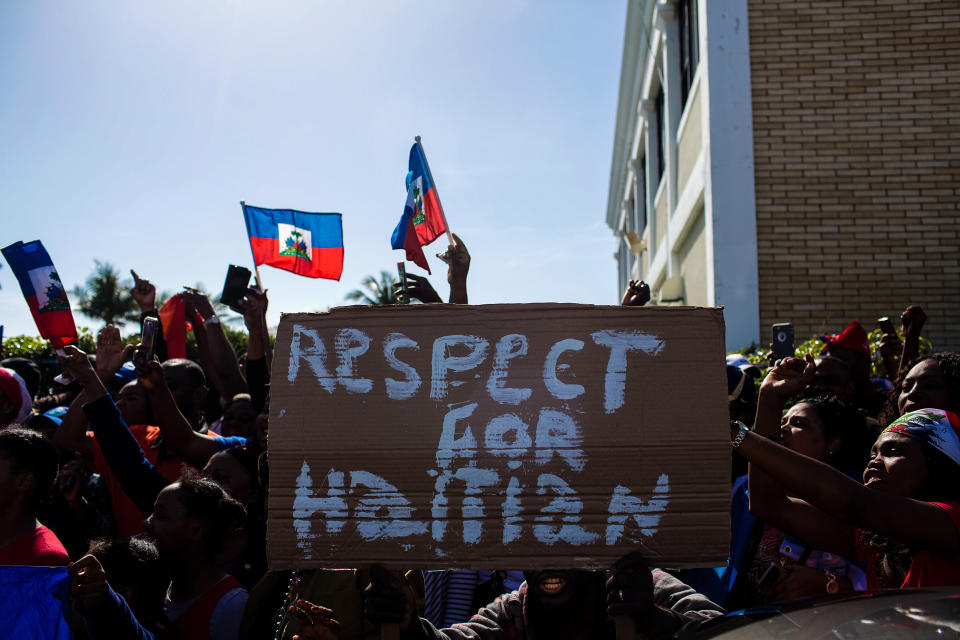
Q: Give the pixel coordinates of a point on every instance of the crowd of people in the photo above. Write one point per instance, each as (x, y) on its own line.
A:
(146, 476)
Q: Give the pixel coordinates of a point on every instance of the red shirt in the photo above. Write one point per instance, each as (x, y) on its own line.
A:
(926, 569)
(129, 518)
(39, 548)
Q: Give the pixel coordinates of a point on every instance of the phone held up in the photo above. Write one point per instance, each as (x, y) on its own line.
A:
(782, 340)
(147, 338)
(886, 325)
(235, 285)
(402, 272)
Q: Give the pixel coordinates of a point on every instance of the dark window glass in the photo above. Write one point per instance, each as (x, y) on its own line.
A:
(640, 195)
(661, 135)
(689, 47)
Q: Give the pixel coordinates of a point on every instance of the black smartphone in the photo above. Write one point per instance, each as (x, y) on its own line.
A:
(402, 271)
(783, 340)
(147, 336)
(235, 285)
(886, 326)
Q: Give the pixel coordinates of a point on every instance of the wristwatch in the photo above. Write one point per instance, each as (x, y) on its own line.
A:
(741, 434)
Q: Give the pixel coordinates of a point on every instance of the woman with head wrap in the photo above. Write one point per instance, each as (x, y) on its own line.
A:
(903, 522)
(15, 401)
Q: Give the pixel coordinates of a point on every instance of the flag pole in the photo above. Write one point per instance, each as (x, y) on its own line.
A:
(443, 213)
(256, 268)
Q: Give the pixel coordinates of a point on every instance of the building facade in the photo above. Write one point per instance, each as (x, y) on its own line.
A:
(793, 161)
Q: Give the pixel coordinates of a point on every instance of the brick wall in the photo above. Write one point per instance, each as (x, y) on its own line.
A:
(856, 121)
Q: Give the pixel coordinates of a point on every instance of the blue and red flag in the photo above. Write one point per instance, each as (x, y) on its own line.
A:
(308, 244)
(35, 602)
(423, 220)
(43, 290)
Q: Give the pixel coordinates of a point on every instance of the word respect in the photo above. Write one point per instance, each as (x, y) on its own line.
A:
(350, 345)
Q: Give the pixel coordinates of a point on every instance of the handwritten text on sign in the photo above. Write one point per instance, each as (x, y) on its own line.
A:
(435, 440)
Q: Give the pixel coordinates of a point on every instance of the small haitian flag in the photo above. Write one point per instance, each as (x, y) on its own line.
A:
(308, 244)
(423, 220)
(35, 602)
(43, 290)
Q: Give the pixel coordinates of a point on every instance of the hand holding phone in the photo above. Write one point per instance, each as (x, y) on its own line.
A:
(235, 285)
(782, 340)
(147, 338)
(886, 326)
(402, 271)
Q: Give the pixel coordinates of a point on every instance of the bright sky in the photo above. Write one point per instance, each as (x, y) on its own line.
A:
(130, 131)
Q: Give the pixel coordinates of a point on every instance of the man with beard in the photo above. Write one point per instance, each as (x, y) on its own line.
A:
(555, 604)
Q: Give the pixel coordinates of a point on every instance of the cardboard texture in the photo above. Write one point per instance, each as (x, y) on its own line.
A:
(499, 436)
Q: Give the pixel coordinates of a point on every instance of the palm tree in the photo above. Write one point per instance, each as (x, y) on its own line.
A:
(377, 293)
(104, 297)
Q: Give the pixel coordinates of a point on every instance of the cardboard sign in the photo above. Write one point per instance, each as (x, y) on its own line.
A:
(499, 436)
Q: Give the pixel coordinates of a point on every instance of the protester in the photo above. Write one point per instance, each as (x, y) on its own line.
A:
(770, 566)
(765, 565)
(136, 409)
(931, 382)
(637, 294)
(193, 524)
(29, 372)
(555, 604)
(457, 259)
(118, 588)
(852, 347)
(28, 469)
(453, 596)
(903, 521)
(142, 482)
(239, 417)
(16, 402)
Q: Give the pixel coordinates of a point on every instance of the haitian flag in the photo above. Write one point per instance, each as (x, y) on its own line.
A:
(35, 602)
(405, 235)
(423, 220)
(43, 290)
(308, 244)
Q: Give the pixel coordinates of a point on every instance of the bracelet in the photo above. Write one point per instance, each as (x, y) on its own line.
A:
(832, 586)
(741, 434)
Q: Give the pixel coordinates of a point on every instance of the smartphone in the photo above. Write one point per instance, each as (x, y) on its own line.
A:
(150, 327)
(885, 325)
(235, 285)
(783, 340)
(402, 271)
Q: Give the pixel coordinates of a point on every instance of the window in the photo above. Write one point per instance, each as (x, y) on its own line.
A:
(661, 135)
(689, 47)
(623, 267)
(640, 195)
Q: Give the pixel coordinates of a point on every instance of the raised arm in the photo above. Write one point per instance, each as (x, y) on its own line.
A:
(71, 435)
(912, 319)
(144, 294)
(768, 497)
(217, 356)
(253, 306)
(140, 481)
(921, 525)
(636, 295)
(111, 354)
(458, 260)
(191, 447)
